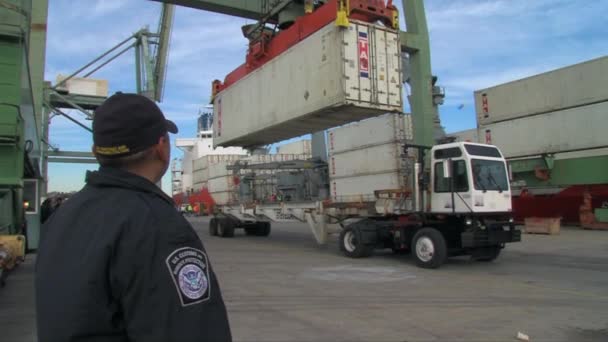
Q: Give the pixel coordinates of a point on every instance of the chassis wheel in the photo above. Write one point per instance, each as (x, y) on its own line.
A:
(263, 229)
(225, 228)
(351, 243)
(213, 227)
(429, 248)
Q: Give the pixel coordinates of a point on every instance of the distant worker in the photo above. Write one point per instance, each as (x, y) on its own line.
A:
(117, 262)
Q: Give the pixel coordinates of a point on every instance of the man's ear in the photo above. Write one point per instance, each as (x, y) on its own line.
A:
(161, 149)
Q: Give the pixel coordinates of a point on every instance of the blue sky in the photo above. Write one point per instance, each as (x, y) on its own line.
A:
(474, 44)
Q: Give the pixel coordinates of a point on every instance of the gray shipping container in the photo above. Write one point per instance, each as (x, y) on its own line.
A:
(572, 129)
(331, 78)
(296, 147)
(569, 87)
(367, 156)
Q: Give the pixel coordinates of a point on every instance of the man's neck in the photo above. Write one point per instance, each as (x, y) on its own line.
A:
(145, 172)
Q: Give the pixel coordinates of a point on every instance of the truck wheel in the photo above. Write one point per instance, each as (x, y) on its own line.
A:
(263, 229)
(429, 248)
(351, 243)
(487, 254)
(225, 228)
(213, 227)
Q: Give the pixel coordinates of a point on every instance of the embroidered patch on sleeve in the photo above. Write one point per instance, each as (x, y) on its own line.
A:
(189, 268)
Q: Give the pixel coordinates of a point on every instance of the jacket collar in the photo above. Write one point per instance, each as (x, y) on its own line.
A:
(117, 178)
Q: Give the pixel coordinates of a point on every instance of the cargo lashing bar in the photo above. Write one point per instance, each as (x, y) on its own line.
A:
(374, 64)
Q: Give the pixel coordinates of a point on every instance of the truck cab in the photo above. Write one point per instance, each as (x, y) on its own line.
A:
(468, 178)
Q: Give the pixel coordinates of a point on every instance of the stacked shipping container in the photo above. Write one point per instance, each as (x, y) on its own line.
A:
(559, 111)
(574, 86)
(211, 173)
(296, 147)
(367, 156)
(551, 127)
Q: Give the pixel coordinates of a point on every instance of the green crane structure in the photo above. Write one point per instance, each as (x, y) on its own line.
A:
(27, 103)
(22, 53)
(151, 51)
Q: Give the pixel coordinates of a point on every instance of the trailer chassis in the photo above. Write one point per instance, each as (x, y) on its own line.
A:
(364, 227)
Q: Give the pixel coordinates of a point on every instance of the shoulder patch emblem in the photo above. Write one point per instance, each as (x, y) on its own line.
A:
(189, 268)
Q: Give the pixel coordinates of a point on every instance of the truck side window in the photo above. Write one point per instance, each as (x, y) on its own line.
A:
(459, 172)
(461, 181)
(442, 184)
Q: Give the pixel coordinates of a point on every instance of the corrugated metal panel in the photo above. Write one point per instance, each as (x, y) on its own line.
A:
(566, 130)
(221, 184)
(199, 164)
(321, 82)
(225, 197)
(361, 188)
(371, 160)
(268, 158)
(376, 131)
(296, 147)
(367, 156)
(213, 166)
(219, 169)
(205, 161)
(199, 176)
(576, 85)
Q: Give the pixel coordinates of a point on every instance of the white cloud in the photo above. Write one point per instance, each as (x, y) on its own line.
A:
(474, 44)
(103, 7)
(480, 43)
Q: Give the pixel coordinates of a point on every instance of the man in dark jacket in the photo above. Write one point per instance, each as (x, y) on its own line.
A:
(117, 262)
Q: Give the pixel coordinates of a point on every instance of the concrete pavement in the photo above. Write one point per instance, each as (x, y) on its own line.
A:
(286, 288)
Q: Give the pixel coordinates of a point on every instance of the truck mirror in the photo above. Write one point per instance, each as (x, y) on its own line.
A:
(447, 170)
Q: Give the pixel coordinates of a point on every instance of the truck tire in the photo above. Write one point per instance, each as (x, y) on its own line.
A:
(488, 254)
(429, 248)
(213, 227)
(263, 229)
(225, 228)
(351, 243)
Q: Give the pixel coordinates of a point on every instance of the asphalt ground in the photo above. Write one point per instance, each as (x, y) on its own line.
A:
(287, 288)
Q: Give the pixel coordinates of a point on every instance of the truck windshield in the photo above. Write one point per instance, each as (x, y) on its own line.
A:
(489, 175)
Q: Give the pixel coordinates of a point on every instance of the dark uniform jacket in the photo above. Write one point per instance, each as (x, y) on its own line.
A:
(117, 262)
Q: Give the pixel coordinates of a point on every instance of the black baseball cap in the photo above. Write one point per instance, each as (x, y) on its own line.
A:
(128, 123)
